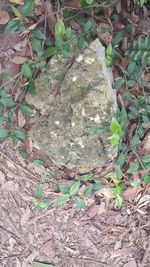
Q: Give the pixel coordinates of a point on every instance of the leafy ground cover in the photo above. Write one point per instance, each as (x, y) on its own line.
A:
(31, 32)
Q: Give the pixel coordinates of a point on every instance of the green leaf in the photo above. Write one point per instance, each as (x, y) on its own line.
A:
(119, 173)
(62, 199)
(89, 2)
(121, 160)
(86, 177)
(119, 82)
(117, 38)
(38, 34)
(131, 67)
(39, 193)
(81, 41)
(118, 201)
(12, 26)
(27, 8)
(98, 186)
(80, 203)
(88, 190)
(64, 188)
(50, 51)
(31, 88)
(44, 203)
(26, 71)
(26, 110)
(36, 45)
(38, 264)
(115, 127)
(17, 12)
(146, 158)
(19, 134)
(133, 168)
(98, 129)
(135, 183)
(147, 178)
(38, 162)
(59, 28)
(7, 102)
(131, 83)
(134, 141)
(4, 133)
(114, 139)
(75, 188)
(87, 26)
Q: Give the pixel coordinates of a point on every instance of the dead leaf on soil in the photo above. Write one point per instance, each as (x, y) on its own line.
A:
(2, 178)
(21, 119)
(18, 2)
(93, 210)
(130, 264)
(4, 17)
(18, 59)
(131, 192)
(26, 216)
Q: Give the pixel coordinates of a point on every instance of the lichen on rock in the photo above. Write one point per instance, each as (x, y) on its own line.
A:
(85, 100)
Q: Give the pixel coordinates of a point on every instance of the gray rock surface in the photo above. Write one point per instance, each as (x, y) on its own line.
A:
(85, 100)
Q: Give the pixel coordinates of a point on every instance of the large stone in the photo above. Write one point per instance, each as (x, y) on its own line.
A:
(85, 100)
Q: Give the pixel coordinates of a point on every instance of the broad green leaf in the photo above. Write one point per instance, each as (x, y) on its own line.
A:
(114, 139)
(38, 162)
(134, 141)
(75, 188)
(38, 34)
(64, 188)
(50, 51)
(117, 190)
(7, 102)
(133, 168)
(54, 174)
(19, 134)
(147, 178)
(44, 204)
(62, 199)
(26, 71)
(86, 177)
(131, 67)
(135, 183)
(115, 127)
(6, 77)
(119, 174)
(121, 160)
(131, 83)
(26, 110)
(117, 38)
(17, 12)
(109, 50)
(87, 26)
(4, 133)
(88, 190)
(38, 264)
(118, 201)
(98, 129)
(36, 45)
(119, 82)
(89, 1)
(81, 41)
(98, 186)
(80, 203)
(12, 26)
(146, 158)
(59, 28)
(39, 193)
(27, 8)
(31, 88)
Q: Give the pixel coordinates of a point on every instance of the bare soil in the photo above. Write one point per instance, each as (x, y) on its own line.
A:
(98, 236)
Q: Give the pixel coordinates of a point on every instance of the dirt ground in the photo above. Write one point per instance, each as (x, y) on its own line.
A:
(98, 236)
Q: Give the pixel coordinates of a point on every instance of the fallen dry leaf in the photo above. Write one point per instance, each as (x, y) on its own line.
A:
(26, 216)
(130, 264)
(18, 2)
(93, 210)
(18, 59)
(131, 192)
(21, 119)
(4, 17)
